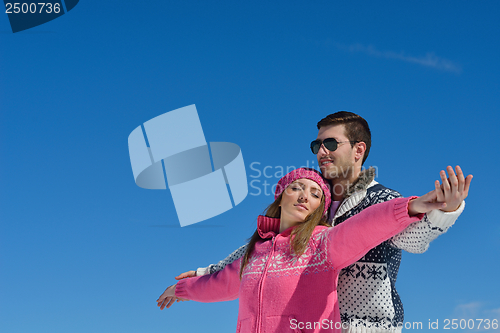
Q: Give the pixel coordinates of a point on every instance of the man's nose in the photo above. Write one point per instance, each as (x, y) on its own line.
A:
(322, 150)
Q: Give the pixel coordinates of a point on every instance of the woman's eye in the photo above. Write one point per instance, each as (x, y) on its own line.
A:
(315, 195)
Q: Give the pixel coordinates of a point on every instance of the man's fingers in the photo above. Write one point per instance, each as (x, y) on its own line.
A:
(444, 180)
(461, 179)
(452, 178)
(466, 187)
(184, 275)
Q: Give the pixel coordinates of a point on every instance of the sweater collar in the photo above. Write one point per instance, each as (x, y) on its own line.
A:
(268, 227)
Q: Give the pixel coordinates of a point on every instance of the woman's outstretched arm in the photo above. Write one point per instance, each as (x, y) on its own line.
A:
(220, 286)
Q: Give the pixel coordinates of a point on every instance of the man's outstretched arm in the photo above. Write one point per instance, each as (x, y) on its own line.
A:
(417, 236)
(210, 269)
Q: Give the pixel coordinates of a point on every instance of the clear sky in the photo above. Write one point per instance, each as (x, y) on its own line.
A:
(84, 249)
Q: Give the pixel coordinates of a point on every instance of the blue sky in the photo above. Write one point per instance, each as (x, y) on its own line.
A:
(83, 249)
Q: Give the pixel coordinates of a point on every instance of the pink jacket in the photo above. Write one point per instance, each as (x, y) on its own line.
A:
(280, 292)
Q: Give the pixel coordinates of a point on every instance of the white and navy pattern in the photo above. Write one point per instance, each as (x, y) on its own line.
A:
(366, 289)
(240, 252)
(417, 236)
(368, 296)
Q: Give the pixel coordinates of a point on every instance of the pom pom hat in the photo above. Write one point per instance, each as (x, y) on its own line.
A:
(307, 173)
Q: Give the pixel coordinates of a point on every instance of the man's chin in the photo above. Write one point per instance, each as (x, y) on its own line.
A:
(328, 173)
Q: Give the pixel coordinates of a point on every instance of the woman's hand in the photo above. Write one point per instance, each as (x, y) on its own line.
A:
(447, 197)
(168, 298)
(425, 204)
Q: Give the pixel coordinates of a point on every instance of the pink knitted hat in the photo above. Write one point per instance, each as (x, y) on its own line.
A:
(307, 173)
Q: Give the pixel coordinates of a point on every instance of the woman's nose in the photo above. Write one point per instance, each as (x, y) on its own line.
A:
(303, 196)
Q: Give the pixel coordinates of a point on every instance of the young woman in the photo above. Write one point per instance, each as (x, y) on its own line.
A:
(286, 281)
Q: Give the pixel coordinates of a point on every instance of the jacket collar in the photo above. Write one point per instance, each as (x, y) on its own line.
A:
(362, 183)
(355, 193)
(268, 227)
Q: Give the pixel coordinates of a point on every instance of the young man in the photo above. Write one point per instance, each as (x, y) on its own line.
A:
(367, 294)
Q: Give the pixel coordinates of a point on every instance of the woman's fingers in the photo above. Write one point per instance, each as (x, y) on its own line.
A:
(171, 301)
(167, 298)
(439, 191)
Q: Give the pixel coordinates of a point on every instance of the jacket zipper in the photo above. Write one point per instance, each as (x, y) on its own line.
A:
(261, 286)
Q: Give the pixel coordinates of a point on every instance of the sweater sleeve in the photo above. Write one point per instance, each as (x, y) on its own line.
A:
(238, 253)
(417, 237)
(352, 239)
(221, 286)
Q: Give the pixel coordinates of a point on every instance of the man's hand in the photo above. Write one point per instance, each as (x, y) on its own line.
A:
(455, 188)
(185, 275)
(446, 197)
(168, 298)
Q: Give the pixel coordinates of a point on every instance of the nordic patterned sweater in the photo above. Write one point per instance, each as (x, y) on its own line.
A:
(367, 295)
(282, 292)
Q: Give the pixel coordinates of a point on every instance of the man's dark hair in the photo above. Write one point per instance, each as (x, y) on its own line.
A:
(356, 128)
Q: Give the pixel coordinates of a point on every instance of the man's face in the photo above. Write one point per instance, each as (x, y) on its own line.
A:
(338, 163)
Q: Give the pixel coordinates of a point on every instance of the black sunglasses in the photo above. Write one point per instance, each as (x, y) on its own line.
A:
(330, 143)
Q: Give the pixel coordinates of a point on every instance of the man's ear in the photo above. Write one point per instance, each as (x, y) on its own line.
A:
(359, 150)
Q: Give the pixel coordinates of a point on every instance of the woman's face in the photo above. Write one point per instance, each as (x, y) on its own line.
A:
(300, 199)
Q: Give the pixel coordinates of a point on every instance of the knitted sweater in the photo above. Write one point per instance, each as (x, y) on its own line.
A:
(280, 292)
(368, 299)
